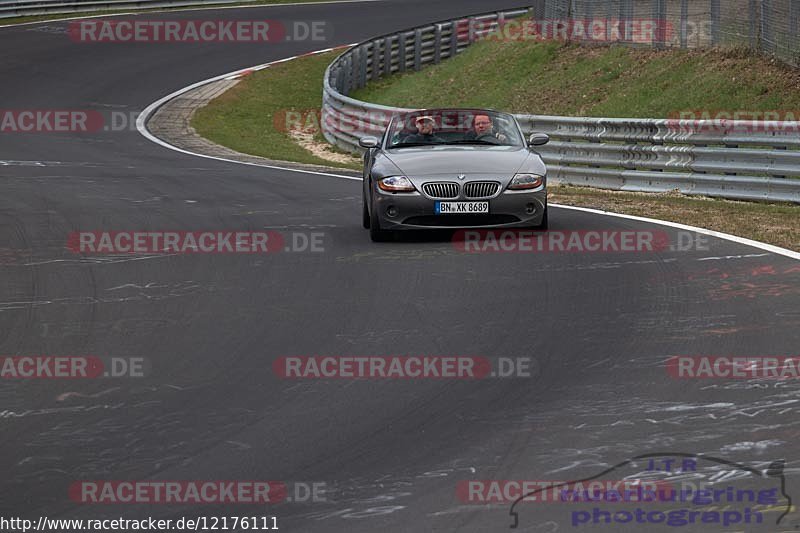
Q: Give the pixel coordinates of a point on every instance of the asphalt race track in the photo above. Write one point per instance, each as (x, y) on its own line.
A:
(598, 327)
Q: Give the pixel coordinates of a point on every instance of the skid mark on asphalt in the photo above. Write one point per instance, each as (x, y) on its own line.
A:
(57, 410)
(397, 255)
(151, 285)
(8, 163)
(146, 200)
(68, 395)
(767, 418)
(751, 446)
(160, 437)
(35, 163)
(112, 260)
(173, 291)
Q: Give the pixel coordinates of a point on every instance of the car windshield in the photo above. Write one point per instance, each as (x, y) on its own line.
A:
(453, 127)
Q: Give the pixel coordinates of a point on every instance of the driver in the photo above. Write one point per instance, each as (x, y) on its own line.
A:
(483, 130)
(425, 125)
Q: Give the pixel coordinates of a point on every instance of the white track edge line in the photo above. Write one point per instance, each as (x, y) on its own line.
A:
(144, 115)
(726, 236)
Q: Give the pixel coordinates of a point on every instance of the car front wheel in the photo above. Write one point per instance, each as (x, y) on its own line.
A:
(375, 232)
(364, 212)
(544, 224)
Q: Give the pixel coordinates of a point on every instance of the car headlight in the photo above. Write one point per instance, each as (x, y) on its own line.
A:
(526, 181)
(396, 184)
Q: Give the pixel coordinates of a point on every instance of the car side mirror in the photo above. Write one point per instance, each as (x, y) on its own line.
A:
(368, 142)
(538, 139)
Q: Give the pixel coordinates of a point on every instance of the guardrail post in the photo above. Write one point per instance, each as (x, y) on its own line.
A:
(335, 79)
(387, 56)
(347, 75)
(417, 49)
(362, 67)
(437, 44)
(453, 38)
(471, 26)
(401, 52)
(357, 69)
(780, 148)
(376, 60)
(352, 74)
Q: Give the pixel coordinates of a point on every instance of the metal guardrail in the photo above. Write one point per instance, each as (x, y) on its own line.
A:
(730, 159)
(345, 119)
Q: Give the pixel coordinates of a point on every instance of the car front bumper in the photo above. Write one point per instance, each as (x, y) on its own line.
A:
(510, 209)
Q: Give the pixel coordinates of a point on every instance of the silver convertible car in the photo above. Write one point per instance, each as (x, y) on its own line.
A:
(453, 168)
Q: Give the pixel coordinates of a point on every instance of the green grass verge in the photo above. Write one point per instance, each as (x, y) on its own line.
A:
(39, 18)
(777, 224)
(249, 118)
(551, 78)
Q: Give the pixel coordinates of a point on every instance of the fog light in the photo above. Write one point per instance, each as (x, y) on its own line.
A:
(530, 208)
(392, 211)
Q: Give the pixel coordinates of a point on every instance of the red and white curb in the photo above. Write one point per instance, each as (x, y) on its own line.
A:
(143, 117)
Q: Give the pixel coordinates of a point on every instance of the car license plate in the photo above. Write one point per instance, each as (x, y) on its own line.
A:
(457, 208)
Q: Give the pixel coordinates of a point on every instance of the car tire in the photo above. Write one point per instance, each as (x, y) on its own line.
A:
(375, 232)
(365, 221)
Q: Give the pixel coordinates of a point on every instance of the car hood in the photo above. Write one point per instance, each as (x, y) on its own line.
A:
(439, 160)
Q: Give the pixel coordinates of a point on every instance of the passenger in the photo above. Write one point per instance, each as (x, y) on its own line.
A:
(425, 125)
